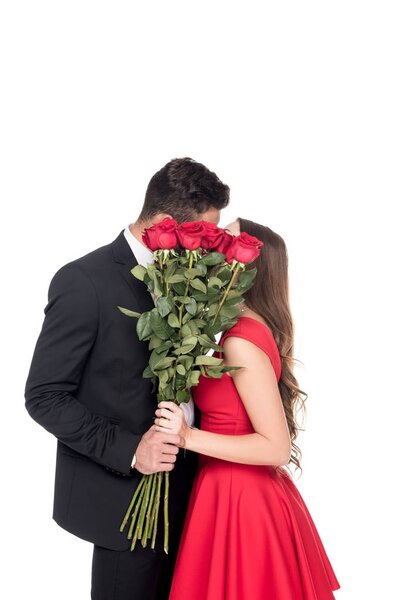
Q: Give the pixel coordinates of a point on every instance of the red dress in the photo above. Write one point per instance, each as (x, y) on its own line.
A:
(248, 534)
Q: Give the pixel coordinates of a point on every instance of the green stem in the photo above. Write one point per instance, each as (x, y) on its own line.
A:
(139, 507)
(166, 282)
(235, 271)
(160, 260)
(143, 508)
(146, 535)
(157, 508)
(166, 520)
(153, 508)
(124, 522)
(135, 512)
(187, 288)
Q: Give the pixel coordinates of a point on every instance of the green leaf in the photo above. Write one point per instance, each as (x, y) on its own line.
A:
(202, 268)
(206, 342)
(148, 281)
(184, 258)
(143, 326)
(215, 282)
(165, 363)
(212, 258)
(246, 279)
(191, 325)
(197, 284)
(186, 331)
(173, 320)
(227, 323)
(230, 311)
(164, 346)
(208, 360)
(224, 274)
(129, 313)
(160, 326)
(212, 309)
(156, 278)
(185, 349)
(165, 305)
(182, 396)
(170, 270)
(212, 295)
(156, 358)
(179, 288)
(234, 293)
(168, 392)
(175, 279)
(199, 322)
(192, 339)
(191, 305)
(163, 377)
(214, 372)
(187, 316)
(155, 342)
(181, 370)
(192, 273)
(194, 378)
(157, 289)
(233, 300)
(213, 329)
(148, 373)
(139, 272)
(186, 361)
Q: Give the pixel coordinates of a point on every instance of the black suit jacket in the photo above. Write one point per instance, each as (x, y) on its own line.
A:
(85, 386)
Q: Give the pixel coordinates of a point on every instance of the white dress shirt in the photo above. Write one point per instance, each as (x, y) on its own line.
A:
(144, 257)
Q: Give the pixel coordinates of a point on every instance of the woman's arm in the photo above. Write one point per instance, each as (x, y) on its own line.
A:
(257, 386)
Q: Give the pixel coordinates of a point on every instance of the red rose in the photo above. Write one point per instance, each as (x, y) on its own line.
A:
(225, 242)
(215, 238)
(211, 232)
(161, 236)
(190, 234)
(244, 248)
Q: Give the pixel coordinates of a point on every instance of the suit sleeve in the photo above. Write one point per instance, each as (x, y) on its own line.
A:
(62, 350)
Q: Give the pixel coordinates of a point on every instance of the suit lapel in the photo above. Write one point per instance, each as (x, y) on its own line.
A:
(124, 261)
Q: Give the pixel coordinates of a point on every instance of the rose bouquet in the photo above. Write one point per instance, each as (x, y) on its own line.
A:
(198, 278)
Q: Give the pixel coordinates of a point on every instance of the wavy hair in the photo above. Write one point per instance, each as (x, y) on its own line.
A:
(269, 297)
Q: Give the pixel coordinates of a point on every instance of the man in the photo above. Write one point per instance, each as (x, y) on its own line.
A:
(85, 386)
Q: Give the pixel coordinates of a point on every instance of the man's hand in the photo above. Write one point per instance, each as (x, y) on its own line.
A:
(157, 451)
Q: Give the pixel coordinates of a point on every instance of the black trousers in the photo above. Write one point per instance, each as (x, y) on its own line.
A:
(146, 574)
(143, 574)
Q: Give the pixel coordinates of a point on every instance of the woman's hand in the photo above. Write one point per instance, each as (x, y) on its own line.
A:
(171, 419)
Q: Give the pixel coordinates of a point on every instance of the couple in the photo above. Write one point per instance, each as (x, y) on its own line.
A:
(239, 527)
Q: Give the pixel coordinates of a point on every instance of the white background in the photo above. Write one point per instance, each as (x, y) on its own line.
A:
(296, 106)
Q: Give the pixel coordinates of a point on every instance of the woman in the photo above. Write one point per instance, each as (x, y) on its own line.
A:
(248, 534)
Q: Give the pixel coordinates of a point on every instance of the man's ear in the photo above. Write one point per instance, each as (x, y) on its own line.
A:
(161, 217)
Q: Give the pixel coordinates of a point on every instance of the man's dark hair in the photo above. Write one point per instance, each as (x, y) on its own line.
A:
(183, 189)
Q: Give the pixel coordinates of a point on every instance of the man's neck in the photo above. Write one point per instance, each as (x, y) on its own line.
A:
(137, 230)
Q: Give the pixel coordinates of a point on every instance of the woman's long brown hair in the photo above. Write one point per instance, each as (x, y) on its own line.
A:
(269, 298)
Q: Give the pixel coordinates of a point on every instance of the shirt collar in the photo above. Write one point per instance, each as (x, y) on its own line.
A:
(142, 254)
